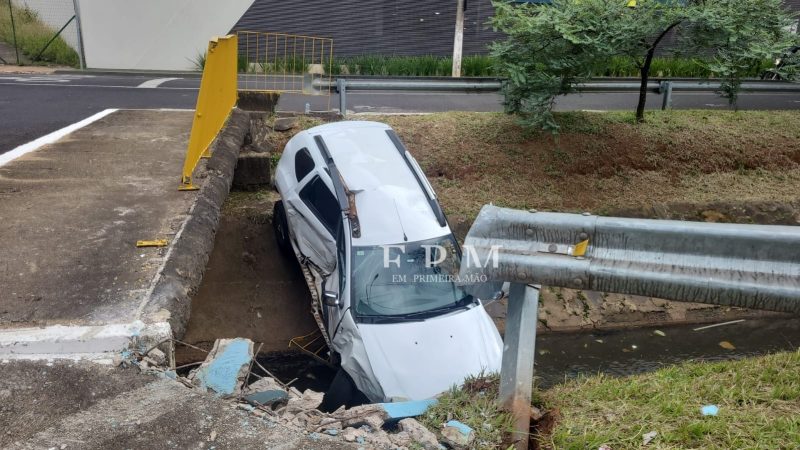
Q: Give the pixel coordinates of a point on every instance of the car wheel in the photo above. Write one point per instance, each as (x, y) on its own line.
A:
(281, 227)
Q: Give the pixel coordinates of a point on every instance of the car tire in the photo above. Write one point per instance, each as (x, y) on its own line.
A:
(281, 227)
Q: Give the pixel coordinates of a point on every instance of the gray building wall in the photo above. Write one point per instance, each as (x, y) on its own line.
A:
(399, 27)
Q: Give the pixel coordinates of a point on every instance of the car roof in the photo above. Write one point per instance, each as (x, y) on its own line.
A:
(390, 202)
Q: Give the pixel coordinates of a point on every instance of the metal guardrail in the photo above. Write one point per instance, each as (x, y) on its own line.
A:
(750, 266)
(665, 87)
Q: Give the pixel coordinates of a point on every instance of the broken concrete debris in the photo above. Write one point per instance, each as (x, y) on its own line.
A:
(227, 370)
(457, 435)
(419, 434)
(285, 123)
(226, 367)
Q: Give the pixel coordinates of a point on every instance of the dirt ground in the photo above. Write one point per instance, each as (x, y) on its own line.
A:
(603, 162)
(249, 289)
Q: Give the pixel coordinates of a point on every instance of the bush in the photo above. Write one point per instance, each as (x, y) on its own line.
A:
(32, 35)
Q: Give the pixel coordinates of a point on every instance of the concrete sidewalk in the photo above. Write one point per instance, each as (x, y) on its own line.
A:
(89, 406)
(72, 212)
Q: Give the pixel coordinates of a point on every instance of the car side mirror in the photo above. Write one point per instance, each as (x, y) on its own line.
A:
(498, 295)
(330, 298)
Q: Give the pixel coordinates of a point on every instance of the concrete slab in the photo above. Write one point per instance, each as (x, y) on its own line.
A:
(73, 210)
(88, 406)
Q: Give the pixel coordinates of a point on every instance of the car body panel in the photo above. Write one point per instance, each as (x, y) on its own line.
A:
(418, 360)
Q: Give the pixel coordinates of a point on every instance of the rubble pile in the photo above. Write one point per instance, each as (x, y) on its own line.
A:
(226, 372)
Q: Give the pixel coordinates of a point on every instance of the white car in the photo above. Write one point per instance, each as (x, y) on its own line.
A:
(381, 261)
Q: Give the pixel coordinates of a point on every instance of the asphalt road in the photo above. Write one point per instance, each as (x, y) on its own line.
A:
(34, 105)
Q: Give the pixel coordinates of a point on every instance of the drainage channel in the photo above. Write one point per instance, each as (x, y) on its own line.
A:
(251, 290)
(627, 352)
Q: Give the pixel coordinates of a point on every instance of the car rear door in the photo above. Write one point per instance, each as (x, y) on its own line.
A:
(313, 212)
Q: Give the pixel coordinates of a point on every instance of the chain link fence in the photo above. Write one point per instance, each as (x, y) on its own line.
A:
(40, 32)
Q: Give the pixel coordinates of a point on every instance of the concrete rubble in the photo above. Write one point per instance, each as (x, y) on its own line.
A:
(457, 435)
(228, 367)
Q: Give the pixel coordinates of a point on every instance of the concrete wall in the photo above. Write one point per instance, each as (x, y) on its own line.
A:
(153, 34)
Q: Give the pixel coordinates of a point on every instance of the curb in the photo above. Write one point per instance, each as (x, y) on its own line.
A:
(100, 343)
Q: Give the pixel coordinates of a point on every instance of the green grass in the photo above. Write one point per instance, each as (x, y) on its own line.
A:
(32, 35)
(667, 68)
(474, 404)
(758, 399)
(604, 161)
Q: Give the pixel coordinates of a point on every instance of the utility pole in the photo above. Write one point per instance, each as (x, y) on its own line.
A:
(458, 40)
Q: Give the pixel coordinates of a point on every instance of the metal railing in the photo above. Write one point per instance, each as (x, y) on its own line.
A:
(749, 266)
(474, 85)
(284, 63)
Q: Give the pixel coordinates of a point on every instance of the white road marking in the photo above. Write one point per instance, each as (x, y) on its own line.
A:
(156, 82)
(50, 138)
(37, 79)
(95, 86)
(45, 78)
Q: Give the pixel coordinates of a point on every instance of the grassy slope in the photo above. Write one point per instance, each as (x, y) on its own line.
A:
(32, 35)
(601, 162)
(758, 399)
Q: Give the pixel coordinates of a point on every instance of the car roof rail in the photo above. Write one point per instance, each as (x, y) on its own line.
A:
(343, 195)
(437, 209)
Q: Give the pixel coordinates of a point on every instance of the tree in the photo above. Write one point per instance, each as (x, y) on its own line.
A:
(639, 30)
(742, 35)
(550, 49)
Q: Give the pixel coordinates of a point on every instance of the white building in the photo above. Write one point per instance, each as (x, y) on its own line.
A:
(140, 34)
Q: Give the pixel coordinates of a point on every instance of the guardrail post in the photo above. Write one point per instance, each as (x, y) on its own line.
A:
(516, 373)
(666, 93)
(341, 86)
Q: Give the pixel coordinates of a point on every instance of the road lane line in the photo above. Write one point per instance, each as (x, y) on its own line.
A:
(156, 82)
(95, 86)
(50, 138)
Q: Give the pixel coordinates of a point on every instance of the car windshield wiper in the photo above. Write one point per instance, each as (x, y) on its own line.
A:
(380, 318)
(461, 304)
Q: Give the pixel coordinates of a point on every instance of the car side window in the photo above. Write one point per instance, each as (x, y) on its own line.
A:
(321, 201)
(303, 164)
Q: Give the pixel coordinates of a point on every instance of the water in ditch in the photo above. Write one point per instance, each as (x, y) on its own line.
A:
(562, 356)
(626, 352)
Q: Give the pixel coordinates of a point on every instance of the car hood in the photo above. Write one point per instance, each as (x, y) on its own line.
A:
(418, 360)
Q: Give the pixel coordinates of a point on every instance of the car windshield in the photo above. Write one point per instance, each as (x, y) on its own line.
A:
(408, 280)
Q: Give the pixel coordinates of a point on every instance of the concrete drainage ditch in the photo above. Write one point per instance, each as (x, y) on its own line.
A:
(250, 290)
